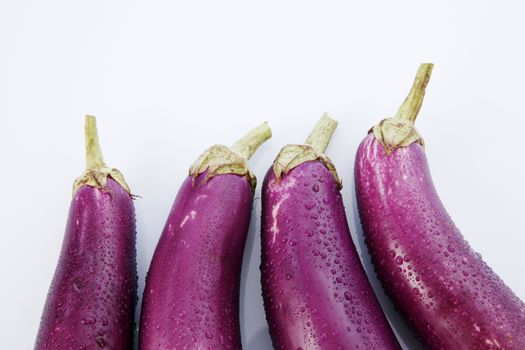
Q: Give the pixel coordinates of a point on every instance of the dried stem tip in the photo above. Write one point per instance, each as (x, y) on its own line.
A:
(247, 145)
(97, 171)
(321, 135)
(412, 104)
(94, 157)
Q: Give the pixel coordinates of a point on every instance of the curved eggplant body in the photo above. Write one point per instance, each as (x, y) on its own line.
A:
(191, 298)
(91, 302)
(316, 293)
(442, 287)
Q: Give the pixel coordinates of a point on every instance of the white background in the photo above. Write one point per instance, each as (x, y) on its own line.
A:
(168, 79)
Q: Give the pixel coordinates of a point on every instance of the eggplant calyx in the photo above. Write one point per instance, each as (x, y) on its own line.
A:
(218, 160)
(292, 156)
(399, 131)
(393, 133)
(316, 144)
(98, 178)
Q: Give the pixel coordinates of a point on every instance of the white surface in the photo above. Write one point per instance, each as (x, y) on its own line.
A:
(168, 79)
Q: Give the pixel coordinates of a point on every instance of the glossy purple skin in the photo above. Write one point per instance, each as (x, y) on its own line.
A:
(316, 294)
(91, 302)
(191, 298)
(443, 288)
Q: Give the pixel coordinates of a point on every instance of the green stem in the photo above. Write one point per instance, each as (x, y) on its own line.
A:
(94, 157)
(248, 144)
(412, 104)
(322, 133)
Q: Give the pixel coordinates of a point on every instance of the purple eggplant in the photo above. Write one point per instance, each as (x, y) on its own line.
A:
(441, 286)
(91, 301)
(191, 297)
(316, 293)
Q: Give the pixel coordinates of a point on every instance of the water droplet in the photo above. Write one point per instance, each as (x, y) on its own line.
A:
(208, 334)
(78, 285)
(399, 260)
(315, 187)
(101, 342)
(89, 320)
(309, 205)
